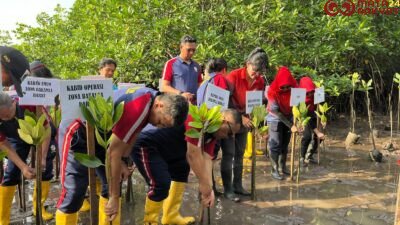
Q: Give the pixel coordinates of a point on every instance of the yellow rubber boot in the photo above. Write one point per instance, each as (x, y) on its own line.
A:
(45, 192)
(103, 218)
(6, 198)
(151, 212)
(172, 204)
(66, 218)
(249, 146)
(85, 206)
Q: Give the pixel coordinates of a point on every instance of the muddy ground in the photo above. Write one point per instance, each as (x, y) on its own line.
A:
(346, 188)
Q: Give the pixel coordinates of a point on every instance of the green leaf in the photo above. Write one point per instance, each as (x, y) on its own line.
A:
(263, 129)
(31, 115)
(87, 115)
(25, 137)
(203, 111)
(192, 133)
(25, 126)
(3, 154)
(213, 112)
(296, 112)
(196, 124)
(119, 109)
(30, 120)
(305, 121)
(100, 139)
(36, 133)
(369, 83)
(46, 134)
(213, 127)
(194, 112)
(87, 160)
(41, 120)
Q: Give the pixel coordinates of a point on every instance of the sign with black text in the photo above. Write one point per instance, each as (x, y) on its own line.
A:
(39, 91)
(216, 96)
(253, 98)
(73, 93)
(319, 95)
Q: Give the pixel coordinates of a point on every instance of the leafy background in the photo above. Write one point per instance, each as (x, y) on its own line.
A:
(143, 34)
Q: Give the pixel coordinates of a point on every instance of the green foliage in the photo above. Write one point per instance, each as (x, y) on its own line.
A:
(300, 115)
(396, 79)
(3, 154)
(88, 160)
(55, 113)
(143, 35)
(204, 121)
(258, 116)
(321, 113)
(32, 130)
(102, 114)
(366, 85)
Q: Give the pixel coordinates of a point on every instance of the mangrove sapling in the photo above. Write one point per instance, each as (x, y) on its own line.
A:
(204, 121)
(352, 137)
(374, 153)
(33, 131)
(323, 119)
(301, 119)
(55, 114)
(102, 115)
(397, 80)
(258, 115)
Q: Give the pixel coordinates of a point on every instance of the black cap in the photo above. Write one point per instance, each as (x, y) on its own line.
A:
(16, 64)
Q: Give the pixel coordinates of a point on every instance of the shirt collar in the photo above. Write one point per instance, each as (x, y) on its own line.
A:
(181, 60)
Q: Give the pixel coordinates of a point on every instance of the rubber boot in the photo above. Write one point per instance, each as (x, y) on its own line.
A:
(6, 198)
(66, 218)
(45, 192)
(85, 206)
(226, 176)
(249, 146)
(103, 218)
(172, 204)
(237, 181)
(282, 164)
(274, 166)
(152, 210)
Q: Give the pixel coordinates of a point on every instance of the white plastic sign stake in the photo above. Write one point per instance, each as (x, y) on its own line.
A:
(253, 98)
(216, 96)
(39, 91)
(297, 96)
(319, 95)
(77, 92)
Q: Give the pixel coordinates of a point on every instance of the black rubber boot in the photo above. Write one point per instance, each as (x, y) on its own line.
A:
(226, 175)
(237, 181)
(282, 164)
(274, 166)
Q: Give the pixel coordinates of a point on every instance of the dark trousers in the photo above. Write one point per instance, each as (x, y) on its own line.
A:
(279, 138)
(74, 176)
(158, 170)
(12, 174)
(309, 142)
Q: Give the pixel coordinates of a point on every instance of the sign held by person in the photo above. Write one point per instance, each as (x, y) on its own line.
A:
(216, 96)
(39, 91)
(253, 98)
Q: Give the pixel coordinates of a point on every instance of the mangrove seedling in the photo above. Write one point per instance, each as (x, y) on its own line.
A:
(352, 137)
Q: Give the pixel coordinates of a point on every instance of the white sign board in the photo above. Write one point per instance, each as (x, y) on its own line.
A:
(319, 95)
(216, 96)
(253, 98)
(129, 85)
(73, 93)
(39, 91)
(297, 96)
(95, 77)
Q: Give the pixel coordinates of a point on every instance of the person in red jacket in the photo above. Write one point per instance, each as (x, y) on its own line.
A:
(311, 134)
(279, 120)
(240, 81)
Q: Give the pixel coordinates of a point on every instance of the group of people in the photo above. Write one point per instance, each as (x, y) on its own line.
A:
(151, 132)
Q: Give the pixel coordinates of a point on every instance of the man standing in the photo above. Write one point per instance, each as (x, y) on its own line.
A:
(182, 75)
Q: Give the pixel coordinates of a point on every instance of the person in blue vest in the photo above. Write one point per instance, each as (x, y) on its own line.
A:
(182, 75)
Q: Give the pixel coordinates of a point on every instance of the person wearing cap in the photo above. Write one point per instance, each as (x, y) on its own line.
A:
(311, 134)
(141, 106)
(163, 158)
(14, 67)
(279, 120)
(248, 78)
(18, 152)
(182, 75)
